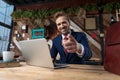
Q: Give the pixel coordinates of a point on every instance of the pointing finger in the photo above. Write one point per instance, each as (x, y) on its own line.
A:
(71, 38)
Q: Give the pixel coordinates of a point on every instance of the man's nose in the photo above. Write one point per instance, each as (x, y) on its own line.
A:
(62, 25)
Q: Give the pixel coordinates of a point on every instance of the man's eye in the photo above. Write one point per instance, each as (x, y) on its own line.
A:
(64, 22)
(58, 24)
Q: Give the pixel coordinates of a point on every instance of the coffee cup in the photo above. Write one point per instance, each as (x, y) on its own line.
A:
(8, 56)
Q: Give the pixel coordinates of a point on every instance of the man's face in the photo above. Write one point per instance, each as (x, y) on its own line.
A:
(63, 25)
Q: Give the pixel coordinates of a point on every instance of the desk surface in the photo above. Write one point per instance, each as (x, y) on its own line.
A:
(74, 72)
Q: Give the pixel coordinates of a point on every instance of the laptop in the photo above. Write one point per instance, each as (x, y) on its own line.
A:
(37, 53)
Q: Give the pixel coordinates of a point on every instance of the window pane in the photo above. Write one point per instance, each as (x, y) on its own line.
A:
(4, 39)
(2, 3)
(2, 10)
(2, 18)
(9, 10)
(8, 20)
(5, 12)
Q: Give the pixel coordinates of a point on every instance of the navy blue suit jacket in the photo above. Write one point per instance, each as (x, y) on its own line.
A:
(71, 58)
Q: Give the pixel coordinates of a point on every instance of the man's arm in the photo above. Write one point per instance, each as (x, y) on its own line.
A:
(80, 47)
(87, 51)
(53, 51)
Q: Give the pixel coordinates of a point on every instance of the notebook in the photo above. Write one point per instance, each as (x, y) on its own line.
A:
(37, 53)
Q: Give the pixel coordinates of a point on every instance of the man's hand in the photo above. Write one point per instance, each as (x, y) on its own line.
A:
(70, 44)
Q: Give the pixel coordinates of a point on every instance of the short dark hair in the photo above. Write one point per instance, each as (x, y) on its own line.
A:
(59, 14)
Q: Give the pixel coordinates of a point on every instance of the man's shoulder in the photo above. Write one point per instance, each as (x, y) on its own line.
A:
(78, 33)
(57, 37)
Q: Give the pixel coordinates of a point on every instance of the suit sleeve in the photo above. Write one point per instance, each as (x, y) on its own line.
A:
(53, 50)
(87, 51)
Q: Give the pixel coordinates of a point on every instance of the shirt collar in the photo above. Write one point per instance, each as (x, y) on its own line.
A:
(64, 36)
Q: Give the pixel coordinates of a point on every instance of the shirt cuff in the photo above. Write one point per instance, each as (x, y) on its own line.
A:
(80, 54)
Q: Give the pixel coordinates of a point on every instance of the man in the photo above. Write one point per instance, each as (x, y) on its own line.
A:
(72, 46)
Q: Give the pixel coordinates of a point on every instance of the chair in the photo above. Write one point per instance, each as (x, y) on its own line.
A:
(112, 49)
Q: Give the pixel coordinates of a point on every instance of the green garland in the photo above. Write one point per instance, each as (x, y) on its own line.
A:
(43, 13)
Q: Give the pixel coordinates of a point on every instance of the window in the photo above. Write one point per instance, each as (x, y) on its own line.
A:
(5, 12)
(5, 25)
(4, 38)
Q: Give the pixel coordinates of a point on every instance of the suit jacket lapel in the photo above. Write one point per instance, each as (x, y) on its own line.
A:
(60, 44)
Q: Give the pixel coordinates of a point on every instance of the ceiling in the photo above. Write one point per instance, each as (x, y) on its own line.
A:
(24, 2)
(37, 4)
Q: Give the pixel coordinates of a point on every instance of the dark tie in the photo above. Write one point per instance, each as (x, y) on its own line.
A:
(65, 38)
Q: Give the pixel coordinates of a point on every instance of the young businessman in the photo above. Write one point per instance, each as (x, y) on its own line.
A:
(72, 47)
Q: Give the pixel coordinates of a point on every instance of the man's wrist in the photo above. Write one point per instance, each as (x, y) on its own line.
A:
(80, 49)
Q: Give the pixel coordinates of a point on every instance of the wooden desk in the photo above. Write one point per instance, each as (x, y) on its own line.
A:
(74, 72)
